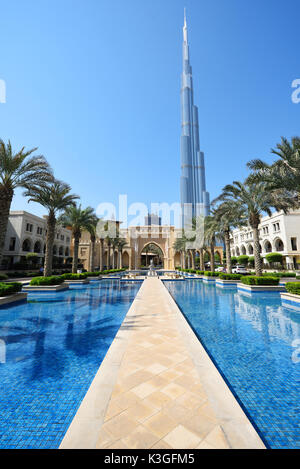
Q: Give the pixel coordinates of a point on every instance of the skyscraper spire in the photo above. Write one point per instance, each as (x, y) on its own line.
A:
(194, 196)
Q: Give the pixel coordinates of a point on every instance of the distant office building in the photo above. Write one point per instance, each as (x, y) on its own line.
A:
(152, 219)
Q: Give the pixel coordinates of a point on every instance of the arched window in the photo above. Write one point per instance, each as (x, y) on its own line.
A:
(268, 246)
(26, 246)
(37, 247)
(279, 246)
(61, 251)
(67, 252)
(54, 250)
(250, 249)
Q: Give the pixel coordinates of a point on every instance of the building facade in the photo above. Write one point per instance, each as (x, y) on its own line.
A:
(278, 233)
(26, 233)
(194, 197)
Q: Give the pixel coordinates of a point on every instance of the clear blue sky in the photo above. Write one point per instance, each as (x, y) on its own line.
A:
(96, 86)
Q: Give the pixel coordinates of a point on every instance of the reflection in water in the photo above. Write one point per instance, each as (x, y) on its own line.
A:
(255, 342)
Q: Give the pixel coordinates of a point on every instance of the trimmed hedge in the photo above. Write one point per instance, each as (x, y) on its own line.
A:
(53, 280)
(243, 259)
(74, 276)
(281, 274)
(208, 273)
(229, 276)
(252, 280)
(93, 274)
(293, 287)
(200, 272)
(3, 277)
(10, 288)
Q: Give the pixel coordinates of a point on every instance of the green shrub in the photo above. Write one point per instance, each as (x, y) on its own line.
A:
(74, 276)
(208, 273)
(253, 280)
(10, 288)
(93, 274)
(199, 272)
(229, 276)
(234, 260)
(3, 277)
(251, 261)
(243, 260)
(281, 274)
(274, 257)
(293, 287)
(53, 280)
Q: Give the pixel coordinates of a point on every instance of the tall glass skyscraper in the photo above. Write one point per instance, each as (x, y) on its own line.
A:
(194, 197)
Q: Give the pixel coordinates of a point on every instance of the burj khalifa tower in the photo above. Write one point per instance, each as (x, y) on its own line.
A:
(194, 197)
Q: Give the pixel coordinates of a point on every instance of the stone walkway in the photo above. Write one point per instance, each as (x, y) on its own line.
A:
(158, 399)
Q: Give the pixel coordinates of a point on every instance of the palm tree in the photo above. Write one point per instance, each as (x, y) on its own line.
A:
(114, 245)
(254, 198)
(180, 246)
(210, 232)
(92, 229)
(77, 219)
(284, 174)
(122, 243)
(18, 170)
(228, 215)
(55, 197)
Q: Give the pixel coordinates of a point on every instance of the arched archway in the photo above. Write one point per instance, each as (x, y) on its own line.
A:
(267, 246)
(37, 247)
(54, 250)
(61, 251)
(278, 244)
(243, 250)
(250, 250)
(26, 245)
(152, 251)
(237, 251)
(67, 252)
(125, 259)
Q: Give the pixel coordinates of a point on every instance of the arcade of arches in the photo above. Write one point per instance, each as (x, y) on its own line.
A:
(143, 243)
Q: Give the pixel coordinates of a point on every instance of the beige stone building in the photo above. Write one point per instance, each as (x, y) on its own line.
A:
(142, 244)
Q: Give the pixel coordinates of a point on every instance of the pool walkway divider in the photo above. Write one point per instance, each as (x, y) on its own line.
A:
(157, 388)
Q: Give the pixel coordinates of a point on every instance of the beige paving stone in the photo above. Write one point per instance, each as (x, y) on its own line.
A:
(217, 438)
(135, 379)
(173, 390)
(204, 445)
(191, 400)
(104, 439)
(182, 438)
(119, 426)
(143, 390)
(112, 410)
(157, 399)
(140, 438)
(170, 374)
(156, 368)
(141, 411)
(118, 445)
(160, 424)
(161, 444)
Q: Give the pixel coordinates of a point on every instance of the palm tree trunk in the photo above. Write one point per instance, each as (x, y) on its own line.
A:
(189, 259)
(75, 254)
(108, 258)
(5, 203)
(113, 258)
(51, 223)
(201, 253)
(256, 248)
(92, 253)
(193, 258)
(101, 255)
(212, 256)
(120, 259)
(228, 254)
